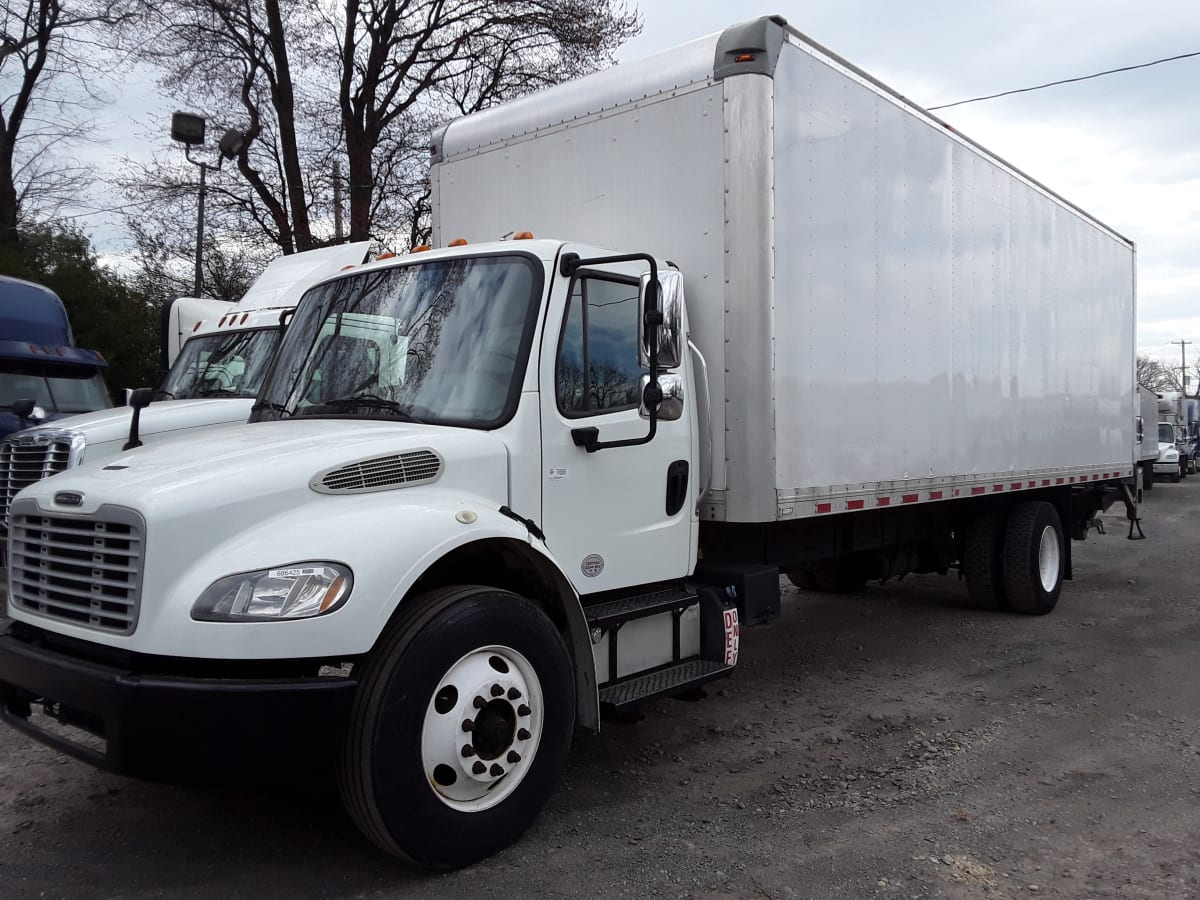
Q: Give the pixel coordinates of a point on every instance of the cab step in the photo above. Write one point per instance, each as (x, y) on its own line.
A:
(613, 613)
(674, 679)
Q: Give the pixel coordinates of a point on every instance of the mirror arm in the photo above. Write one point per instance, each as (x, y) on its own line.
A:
(589, 437)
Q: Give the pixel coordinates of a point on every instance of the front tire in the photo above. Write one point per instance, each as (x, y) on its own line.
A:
(460, 727)
(1034, 558)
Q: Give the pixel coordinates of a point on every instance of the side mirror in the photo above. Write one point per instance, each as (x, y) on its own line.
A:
(670, 303)
(27, 410)
(139, 400)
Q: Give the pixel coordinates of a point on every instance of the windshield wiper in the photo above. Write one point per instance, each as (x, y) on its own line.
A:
(217, 392)
(273, 407)
(373, 401)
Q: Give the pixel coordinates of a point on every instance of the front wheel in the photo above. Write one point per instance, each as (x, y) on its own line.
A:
(460, 727)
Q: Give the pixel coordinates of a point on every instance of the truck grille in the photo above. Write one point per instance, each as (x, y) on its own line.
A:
(28, 459)
(86, 570)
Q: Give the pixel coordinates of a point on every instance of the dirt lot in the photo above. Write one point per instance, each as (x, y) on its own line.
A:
(894, 744)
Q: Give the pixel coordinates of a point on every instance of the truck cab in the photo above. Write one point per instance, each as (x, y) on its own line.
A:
(39, 361)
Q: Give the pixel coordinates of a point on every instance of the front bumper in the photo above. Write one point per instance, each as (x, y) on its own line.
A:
(169, 727)
(1166, 468)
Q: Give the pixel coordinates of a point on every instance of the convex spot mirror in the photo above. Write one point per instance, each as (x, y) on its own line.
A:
(670, 302)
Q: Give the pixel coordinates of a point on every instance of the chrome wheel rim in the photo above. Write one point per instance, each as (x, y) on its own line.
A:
(481, 729)
(1049, 559)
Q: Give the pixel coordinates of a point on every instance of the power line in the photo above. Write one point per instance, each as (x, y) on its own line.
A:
(1038, 87)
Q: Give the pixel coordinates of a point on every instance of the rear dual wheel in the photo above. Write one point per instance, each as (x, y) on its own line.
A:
(460, 727)
(1015, 558)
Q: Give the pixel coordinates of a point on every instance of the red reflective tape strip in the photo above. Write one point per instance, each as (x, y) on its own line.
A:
(909, 498)
(824, 507)
(935, 495)
(976, 490)
(1033, 484)
(1058, 481)
(1016, 486)
(854, 504)
(1045, 482)
(997, 487)
(883, 501)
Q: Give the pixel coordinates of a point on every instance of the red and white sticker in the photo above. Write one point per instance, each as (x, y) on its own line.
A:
(733, 634)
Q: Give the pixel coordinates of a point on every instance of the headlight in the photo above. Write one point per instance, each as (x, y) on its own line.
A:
(299, 591)
(1171, 456)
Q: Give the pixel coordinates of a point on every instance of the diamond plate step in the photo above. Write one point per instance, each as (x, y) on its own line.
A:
(612, 613)
(663, 683)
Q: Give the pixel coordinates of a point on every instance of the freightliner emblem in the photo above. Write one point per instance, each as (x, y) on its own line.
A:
(68, 498)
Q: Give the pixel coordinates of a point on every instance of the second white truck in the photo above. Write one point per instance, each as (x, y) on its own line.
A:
(492, 489)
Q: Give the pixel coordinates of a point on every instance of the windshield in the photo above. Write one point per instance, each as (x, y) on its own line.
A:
(1166, 433)
(443, 341)
(55, 390)
(222, 364)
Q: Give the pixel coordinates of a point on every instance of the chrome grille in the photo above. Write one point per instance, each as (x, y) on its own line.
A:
(86, 570)
(418, 466)
(27, 459)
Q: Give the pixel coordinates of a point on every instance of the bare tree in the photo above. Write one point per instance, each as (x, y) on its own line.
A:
(362, 82)
(42, 44)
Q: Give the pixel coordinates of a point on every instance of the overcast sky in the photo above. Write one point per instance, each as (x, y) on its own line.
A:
(1125, 147)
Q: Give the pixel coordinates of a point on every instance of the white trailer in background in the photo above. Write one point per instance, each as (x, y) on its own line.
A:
(491, 489)
(1147, 449)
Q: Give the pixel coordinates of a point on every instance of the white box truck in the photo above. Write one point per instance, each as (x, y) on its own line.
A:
(490, 490)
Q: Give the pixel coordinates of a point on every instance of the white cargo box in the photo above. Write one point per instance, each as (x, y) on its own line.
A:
(890, 314)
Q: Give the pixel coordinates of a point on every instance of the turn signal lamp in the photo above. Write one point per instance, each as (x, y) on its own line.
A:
(388, 255)
(458, 242)
(523, 236)
(420, 248)
(744, 57)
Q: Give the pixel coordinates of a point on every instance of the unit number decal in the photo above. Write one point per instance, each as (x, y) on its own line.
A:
(733, 634)
(556, 473)
(592, 565)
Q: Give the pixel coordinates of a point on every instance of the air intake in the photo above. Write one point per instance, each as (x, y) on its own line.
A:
(380, 474)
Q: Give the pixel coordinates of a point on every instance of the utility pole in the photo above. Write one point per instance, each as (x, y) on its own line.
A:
(1183, 366)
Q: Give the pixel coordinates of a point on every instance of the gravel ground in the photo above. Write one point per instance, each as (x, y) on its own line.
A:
(893, 744)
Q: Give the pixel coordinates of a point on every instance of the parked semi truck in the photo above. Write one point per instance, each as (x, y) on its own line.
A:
(490, 490)
(213, 378)
(1182, 413)
(43, 375)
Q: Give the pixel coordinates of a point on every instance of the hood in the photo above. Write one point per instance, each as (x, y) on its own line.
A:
(226, 476)
(105, 425)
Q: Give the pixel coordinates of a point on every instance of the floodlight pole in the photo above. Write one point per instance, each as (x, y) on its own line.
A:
(188, 129)
(204, 167)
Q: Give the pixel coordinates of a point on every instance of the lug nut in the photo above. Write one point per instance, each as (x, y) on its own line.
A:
(522, 710)
(479, 768)
(513, 756)
(468, 725)
(514, 694)
(468, 751)
(496, 770)
(523, 735)
(479, 703)
(497, 690)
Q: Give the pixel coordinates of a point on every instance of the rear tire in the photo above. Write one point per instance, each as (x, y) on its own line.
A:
(466, 677)
(982, 558)
(1034, 558)
(1175, 476)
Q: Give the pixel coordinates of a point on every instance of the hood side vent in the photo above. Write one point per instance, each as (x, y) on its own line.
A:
(380, 473)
